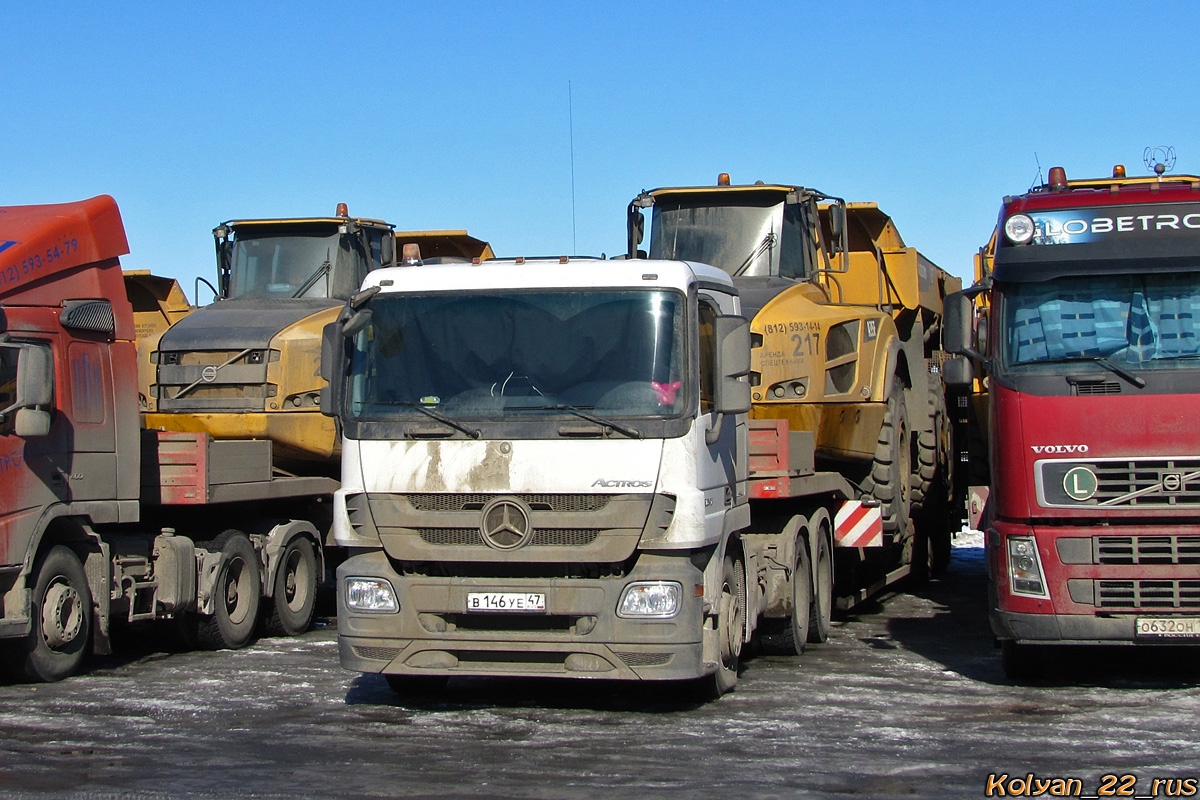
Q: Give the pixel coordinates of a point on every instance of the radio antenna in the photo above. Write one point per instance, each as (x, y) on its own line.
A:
(571, 129)
(1037, 181)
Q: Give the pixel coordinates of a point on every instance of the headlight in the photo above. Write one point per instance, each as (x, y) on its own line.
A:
(657, 599)
(1025, 567)
(373, 595)
(1019, 228)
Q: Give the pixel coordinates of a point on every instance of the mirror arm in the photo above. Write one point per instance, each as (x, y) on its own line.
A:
(714, 433)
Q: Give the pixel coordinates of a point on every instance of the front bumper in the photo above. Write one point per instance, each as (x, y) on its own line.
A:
(1068, 628)
(579, 635)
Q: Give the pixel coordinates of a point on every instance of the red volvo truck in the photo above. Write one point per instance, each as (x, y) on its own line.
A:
(1082, 337)
(100, 520)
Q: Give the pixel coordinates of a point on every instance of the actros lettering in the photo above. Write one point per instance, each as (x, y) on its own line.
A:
(606, 484)
(1059, 448)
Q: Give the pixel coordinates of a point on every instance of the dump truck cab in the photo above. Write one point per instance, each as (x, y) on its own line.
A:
(845, 321)
(246, 365)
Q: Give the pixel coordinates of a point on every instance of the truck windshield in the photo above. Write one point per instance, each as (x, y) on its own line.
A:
(1149, 321)
(612, 353)
(270, 265)
(741, 238)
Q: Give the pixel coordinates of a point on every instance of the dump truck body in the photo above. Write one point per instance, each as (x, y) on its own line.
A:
(846, 320)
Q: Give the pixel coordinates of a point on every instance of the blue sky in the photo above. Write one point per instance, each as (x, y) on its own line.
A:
(457, 114)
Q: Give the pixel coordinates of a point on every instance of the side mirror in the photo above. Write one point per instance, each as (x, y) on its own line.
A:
(636, 228)
(35, 377)
(31, 423)
(388, 250)
(958, 372)
(732, 396)
(837, 221)
(333, 347)
(957, 324)
(357, 321)
(733, 362)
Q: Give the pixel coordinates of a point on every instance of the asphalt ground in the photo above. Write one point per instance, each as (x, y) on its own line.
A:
(907, 699)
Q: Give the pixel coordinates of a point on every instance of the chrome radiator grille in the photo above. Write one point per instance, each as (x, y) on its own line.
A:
(1143, 483)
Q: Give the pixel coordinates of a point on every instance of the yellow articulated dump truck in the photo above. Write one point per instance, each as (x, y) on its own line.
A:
(247, 365)
(846, 345)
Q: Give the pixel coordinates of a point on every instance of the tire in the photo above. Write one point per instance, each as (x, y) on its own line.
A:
(821, 612)
(238, 595)
(1023, 663)
(937, 531)
(788, 637)
(889, 480)
(409, 685)
(290, 612)
(926, 454)
(731, 627)
(61, 611)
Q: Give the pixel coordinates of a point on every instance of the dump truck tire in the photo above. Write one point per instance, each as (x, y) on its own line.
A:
(889, 480)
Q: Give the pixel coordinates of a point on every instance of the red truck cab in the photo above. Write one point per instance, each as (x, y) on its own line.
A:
(1091, 350)
(67, 418)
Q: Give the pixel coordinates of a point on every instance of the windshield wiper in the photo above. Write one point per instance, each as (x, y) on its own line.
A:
(440, 417)
(312, 279)
(1101, 360)
(632, 433)
(767, 243)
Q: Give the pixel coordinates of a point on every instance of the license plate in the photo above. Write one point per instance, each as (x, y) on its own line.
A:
(506, 601)
(1168, 627)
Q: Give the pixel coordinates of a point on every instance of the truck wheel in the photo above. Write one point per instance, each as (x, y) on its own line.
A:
(934, 534)
(927, 451)
(61, 610)
(291, 608)
(787, 637)
(237, 591)
(821, 613)
(890, 476)
(731, 626)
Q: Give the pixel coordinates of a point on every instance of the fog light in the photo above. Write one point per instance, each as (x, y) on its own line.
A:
(654, 599)
(1025, 567)
(373, 595)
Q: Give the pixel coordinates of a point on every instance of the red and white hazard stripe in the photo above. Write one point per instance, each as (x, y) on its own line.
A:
(857, 525)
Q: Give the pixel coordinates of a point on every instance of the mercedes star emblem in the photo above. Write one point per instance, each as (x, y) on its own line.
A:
(505, 524)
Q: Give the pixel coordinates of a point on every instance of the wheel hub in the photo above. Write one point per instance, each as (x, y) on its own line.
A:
(62, 615)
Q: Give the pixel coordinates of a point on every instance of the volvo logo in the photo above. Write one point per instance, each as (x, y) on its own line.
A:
(208, 374)
(505, 524)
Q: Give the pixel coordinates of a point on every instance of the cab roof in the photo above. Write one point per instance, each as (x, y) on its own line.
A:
(37, 242)
(366, 222)
(551, 273)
